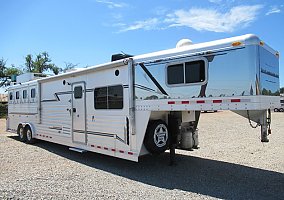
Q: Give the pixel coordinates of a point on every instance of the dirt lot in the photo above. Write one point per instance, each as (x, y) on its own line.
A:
(232, 163)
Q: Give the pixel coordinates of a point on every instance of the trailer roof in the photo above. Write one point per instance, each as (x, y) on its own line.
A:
(244, 40)
(233, 42)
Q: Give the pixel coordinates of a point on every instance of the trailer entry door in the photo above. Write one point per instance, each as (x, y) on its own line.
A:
(79, 113)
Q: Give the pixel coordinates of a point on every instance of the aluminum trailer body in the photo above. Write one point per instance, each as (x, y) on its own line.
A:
(149, 103)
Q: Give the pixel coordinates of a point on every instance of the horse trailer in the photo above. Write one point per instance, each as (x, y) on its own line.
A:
(146, 104)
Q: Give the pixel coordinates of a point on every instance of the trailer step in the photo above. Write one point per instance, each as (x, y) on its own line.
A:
(77, 150)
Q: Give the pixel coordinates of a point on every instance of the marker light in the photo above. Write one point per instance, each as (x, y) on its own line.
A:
(238, 43)
(261, 43)
(277, 54)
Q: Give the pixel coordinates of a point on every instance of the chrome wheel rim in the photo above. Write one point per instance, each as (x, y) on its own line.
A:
(21, 133)
(29, 134)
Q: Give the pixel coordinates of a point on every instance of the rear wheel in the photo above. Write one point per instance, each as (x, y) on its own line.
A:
(156, 139)
(281, 110)
(29, 133)
(276, 110)
(21, 133)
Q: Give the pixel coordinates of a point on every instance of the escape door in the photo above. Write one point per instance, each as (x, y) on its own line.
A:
(79, 113)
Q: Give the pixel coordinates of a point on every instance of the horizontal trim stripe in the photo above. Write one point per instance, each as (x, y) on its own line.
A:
(19, 113)
(100, 134)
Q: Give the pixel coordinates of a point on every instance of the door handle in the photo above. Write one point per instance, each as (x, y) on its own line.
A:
(74, 110)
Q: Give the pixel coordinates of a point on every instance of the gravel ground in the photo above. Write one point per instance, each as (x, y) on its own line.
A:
(232, 163)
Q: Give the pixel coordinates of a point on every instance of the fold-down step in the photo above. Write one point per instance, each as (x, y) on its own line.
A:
(77, 149)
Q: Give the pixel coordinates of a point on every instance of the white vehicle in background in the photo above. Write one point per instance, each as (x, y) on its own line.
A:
(281, 108)
(136, 105)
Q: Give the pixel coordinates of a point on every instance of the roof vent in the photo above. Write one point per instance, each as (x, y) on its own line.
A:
(119, 56)
(184, 43)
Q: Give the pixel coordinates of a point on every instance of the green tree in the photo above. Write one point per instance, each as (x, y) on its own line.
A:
(2, 67)
(13, 70)
(3, 77)
(7, 72)
(282, 90)
(40, 64)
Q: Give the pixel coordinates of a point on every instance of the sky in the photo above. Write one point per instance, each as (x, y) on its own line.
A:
(88, 32)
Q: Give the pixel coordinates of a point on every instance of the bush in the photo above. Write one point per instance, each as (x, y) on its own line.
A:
(3, 110)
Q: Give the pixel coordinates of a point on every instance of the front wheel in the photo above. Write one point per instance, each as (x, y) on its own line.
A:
(276, 110)
(156, 139)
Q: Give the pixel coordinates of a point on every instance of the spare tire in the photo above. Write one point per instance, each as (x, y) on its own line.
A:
(156, 139)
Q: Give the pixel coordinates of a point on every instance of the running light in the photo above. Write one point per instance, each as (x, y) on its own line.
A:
(238, 43)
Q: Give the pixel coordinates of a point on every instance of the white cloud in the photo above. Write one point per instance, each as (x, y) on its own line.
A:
(149, 24)
(225, 2)
(213, 20)
(274, 10)
(215, 1)
(111, 4)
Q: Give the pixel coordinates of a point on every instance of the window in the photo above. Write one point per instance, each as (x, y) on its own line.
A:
(175, 74)
(33, 93)
(25, 94)
(110, 97)
(115, 97)
(11, 96)
(17, 95)
(101, 98)
(195, 71)
(186, 73)
(78, 92)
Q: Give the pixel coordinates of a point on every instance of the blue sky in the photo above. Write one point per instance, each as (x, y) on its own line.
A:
(88, 32)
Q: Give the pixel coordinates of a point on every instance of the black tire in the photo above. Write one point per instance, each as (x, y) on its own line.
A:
(157, 137)
(21, 133)
(29, 135)
(276, 110)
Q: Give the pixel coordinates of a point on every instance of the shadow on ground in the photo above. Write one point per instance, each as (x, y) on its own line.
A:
(199, 175)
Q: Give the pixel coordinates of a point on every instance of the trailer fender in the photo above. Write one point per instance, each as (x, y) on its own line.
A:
(27, 124)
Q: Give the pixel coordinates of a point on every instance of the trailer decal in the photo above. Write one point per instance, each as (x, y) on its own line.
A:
(56, 95)
(144, 88)
(56, 128)
(101, 134)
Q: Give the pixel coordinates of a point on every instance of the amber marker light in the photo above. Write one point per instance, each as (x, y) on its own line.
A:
(261, 43)
(238, 43)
